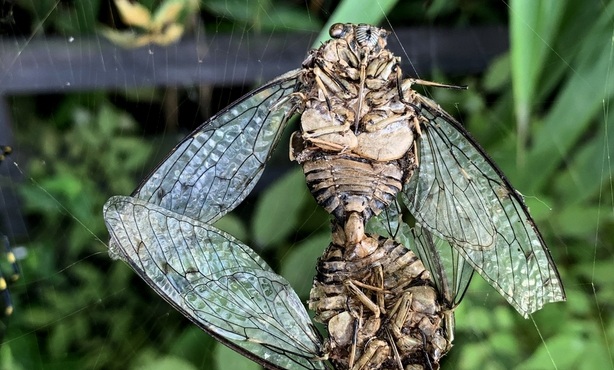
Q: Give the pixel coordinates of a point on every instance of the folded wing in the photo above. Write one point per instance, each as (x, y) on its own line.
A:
(459, 195)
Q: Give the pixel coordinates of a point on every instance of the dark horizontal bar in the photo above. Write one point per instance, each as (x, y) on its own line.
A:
(51, 64)
(58, 65)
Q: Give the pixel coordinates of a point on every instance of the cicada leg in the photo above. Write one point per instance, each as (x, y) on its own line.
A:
(375, 351)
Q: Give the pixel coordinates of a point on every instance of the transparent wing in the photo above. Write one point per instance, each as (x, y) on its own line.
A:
(450, 273)
(213, 169)
(216, 281)
(459, 195)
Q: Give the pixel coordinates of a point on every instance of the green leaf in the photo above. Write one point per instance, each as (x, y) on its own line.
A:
(532, 27)
(298, 267)
(580, 220)
(226, 358)
(194, 345)
(264, 15)
(79, 18)
(7, 361)
(504, 344)
(21, 352)
(556, 352)
(165, 363)
(498, 74)
(579, 101)
(541, 207)
(579, 301)
(233, 225)
(589, 170)
(277, 210)
(594, 357)
(60, 338)
(478, 356)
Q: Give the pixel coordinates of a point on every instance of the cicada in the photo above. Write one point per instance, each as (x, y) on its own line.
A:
(366, 140)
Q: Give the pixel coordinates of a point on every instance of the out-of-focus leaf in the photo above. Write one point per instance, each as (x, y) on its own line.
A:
(594, 357)
(477, 356)
(24, 353)
(562, 351)
(232, 225)
(60, 339)
(533, 24)
(540, 206)
(298, 267)
(174, 11)
(165, 363)
(131, 39)
(225, 358)
(578, 102)
(6, 359)
(194, 345)
(78, 18)
(498, 74)
(579, 301)
(277, 210)
(504, 343)
(264, 15)
(589, 170)
(580, 220)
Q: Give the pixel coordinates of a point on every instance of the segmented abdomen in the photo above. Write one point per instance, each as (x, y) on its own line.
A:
(344, 184)
(378, 306)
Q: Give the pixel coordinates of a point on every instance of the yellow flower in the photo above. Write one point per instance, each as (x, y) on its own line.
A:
(163, 28)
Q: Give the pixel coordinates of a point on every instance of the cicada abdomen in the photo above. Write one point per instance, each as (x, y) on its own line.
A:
(380, 306)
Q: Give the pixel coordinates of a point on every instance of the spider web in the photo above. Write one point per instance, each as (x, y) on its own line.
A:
(71, 292)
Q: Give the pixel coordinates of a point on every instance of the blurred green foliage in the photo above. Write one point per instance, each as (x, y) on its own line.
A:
(541, 111)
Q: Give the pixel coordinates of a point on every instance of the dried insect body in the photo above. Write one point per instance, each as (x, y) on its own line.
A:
(365, 138)
(381, 308)
(356, 133)
(377, 300)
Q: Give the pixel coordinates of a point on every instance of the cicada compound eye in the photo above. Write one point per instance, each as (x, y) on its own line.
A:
(338, 30)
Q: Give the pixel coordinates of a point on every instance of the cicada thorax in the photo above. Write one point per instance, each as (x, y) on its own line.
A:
(379, 304)
(356, 137)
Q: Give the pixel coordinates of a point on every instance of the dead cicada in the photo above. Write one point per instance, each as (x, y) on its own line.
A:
(366, 139)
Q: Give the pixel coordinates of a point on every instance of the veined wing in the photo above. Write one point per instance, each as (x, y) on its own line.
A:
(460, 195)
(213, 169)
(450, 273)
(216, 281)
